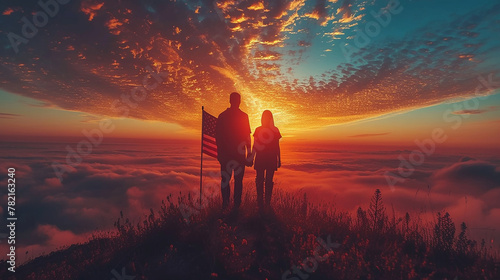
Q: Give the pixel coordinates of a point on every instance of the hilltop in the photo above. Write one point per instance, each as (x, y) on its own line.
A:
(297, 240)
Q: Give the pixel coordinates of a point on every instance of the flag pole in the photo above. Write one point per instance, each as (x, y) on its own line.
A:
(201, 162)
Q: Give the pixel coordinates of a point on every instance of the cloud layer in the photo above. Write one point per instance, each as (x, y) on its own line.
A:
(134, 178)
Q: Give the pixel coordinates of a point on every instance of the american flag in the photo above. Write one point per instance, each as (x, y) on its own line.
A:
(209, 145)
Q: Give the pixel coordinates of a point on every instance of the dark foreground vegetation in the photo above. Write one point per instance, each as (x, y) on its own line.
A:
(297, 240)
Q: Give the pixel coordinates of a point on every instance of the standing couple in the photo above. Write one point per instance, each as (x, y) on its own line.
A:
(234, 152)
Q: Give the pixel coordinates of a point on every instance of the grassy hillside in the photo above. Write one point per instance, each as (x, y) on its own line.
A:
(298, 240)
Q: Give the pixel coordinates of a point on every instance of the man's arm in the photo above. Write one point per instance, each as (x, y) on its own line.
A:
(248, 143)
(219, 138)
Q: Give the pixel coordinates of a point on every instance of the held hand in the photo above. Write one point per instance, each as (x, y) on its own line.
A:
(249, 161)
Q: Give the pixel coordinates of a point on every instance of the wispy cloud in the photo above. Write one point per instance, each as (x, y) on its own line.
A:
(8, 116)
(370, 134)
(477, 111)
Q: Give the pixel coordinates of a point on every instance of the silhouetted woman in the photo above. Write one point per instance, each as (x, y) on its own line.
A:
(266, 149)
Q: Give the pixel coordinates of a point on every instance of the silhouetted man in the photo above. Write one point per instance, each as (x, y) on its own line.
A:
(233, 148)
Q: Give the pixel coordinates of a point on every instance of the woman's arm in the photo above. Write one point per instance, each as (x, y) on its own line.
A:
(279, 155)
(252, 155)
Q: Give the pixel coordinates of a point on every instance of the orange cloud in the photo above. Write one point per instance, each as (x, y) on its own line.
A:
(113, 25)
(267, 55)
(8, 11)
(90, 9)
(256, 6)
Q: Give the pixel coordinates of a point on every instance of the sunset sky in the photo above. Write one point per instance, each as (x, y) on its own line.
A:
(353, 85)
(361, 71)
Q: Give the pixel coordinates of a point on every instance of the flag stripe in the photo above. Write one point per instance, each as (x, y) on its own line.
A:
(210, 152)
(210, 145)
(208, 137)
(209, 141)
(210, 149)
